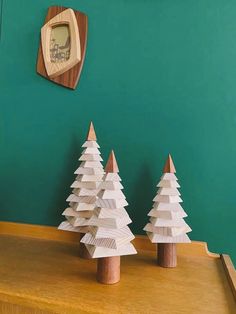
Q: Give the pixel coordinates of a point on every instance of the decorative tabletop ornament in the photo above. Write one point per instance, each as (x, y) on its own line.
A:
(62, 46)
(109, 236)
(166, 226)
(85, 188)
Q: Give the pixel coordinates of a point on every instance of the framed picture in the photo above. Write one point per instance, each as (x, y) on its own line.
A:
(62, 46)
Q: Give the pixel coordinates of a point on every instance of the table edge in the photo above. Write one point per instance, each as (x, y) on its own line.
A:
(230, 272)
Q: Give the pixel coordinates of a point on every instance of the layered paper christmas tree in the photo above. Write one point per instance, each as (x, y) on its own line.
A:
(82, 201)
(166, 223)
(109, 234)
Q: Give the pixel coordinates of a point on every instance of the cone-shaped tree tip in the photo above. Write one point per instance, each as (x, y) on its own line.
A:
(91, 133)
(111, 165)
(169, 165)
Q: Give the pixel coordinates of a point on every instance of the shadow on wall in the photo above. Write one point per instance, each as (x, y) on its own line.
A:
(141, 200)
(66, 178)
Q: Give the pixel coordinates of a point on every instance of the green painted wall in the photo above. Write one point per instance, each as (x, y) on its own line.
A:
(159, 77)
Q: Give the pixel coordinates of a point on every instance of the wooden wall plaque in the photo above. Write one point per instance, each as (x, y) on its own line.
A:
(62, 46)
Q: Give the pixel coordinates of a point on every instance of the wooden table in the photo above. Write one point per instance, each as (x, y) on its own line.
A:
(40, 272)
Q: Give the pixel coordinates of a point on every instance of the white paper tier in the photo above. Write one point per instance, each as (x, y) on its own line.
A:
(90, 157)
(167, 206)
(106, 242)
(167, 214)
(168, 191)
(89, 178)
(109, 194)
(168, 184)
(111, 185)
(112, 204)
(89, 171)
(111, 223)
(100, 232)
(85, 192)
(91, 144)
(156, 238)
(91, 150)
(97, 252)
(77, 222)
(167, 231)
(65, 225)
(110, 213)
(71, 212)
(169, 177)
(82, 199)
(87, 185)
(167, 199)
(112, 177)
(91, 164)
(82, 206)
(159, 222)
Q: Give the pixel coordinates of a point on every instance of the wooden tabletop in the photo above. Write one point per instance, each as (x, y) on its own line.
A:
(47, 276)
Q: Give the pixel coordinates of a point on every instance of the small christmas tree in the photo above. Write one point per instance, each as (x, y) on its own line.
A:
(167, 226)
(85, 188)
(109, 235)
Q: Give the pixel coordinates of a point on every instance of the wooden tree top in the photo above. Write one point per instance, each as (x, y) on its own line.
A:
(91, 133)
(111, 165)
(169, 165)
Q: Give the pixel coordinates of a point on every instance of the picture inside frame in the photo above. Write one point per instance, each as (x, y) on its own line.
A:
(60, 43)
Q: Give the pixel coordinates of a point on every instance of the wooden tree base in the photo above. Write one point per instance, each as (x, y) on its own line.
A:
(166, 255)
(83, 252)
(108, 270)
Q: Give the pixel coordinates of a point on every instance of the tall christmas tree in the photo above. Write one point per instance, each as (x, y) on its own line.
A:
(109, 236)
(85, 188)
(167, 226)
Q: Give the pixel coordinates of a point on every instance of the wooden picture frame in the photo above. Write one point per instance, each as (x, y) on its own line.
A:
(63, 71)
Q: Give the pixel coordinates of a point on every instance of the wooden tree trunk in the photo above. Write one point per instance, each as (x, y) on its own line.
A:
(166, 255)
(83, 252)
(108, 270)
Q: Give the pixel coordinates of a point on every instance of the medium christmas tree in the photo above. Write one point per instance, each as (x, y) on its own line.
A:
(167, 226)
(109, 235)
(85, 188)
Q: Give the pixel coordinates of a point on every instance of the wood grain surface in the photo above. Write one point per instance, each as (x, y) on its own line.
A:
(71, 77)
(166, 254)
(54, 69)
(230, 272)
(47, 276)
(108, 270)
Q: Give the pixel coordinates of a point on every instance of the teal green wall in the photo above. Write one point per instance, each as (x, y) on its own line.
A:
(159, 77)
